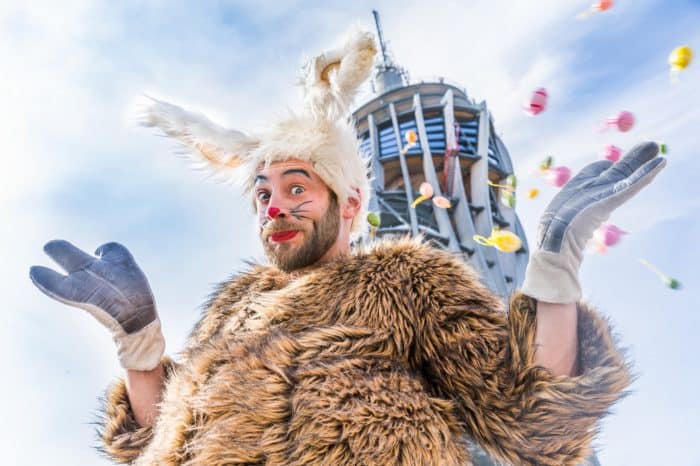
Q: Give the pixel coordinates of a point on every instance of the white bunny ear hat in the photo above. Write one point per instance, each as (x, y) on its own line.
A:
(320, 134)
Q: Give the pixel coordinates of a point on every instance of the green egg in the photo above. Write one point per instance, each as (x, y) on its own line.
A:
(374, 219)
(547, 163)
(672, 283)
(508, 199)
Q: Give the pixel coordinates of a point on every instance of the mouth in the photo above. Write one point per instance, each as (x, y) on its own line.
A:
(283, 235)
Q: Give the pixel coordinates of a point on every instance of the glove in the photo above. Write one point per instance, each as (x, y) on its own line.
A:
(575, 213)
(113, 289)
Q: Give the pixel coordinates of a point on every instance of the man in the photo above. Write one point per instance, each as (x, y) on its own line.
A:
(387, 354)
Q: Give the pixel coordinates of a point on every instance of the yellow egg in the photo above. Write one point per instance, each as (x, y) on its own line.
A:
(531, 194)
(681, 57)
(505, 241)
(411, 136)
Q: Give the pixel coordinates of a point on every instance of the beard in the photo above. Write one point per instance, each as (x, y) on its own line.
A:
(323, 234)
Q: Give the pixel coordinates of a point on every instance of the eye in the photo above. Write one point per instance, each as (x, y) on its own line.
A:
(263, 196)
(296, 189)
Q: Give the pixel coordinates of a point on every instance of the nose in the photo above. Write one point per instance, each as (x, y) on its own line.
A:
(273, 212)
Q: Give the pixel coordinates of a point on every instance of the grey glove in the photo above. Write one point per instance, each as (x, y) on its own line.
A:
(575, 213)
(113, 289)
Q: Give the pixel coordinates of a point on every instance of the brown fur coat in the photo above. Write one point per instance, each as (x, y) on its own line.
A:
(388, 357)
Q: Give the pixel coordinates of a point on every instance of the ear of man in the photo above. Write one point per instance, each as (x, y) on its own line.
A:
(352, 206)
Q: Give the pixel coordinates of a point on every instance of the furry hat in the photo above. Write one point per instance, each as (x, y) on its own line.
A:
(320, 133)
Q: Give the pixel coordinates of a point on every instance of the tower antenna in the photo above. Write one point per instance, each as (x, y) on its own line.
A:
(378, 24)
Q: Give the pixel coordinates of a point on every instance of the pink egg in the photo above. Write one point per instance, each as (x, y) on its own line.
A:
(623, 121)
(558, 176)
(537, 102)
(612, 153)
(609, 235)
(603, 5)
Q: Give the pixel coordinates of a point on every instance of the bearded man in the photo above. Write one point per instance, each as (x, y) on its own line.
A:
(382, 354)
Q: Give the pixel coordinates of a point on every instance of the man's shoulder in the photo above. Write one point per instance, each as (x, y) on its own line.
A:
(410, 252)
(430, 273)
(413, 262)
(253, 276)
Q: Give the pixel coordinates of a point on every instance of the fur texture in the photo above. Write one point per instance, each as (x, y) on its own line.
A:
(390, 356)
(332, 79)
(210, 146)
(320, 133)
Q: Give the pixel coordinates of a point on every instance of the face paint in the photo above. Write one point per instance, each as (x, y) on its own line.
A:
(292, 245)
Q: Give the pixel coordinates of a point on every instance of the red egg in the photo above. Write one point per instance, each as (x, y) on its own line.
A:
(603, 5)
(537, 102)
(609, 235)
(612, 153)
(623, 121)
(597, 7)
(558, 176)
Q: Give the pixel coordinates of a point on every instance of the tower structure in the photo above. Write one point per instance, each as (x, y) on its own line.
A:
(458, 152)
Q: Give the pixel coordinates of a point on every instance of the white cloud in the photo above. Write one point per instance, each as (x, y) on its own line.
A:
(70, 71)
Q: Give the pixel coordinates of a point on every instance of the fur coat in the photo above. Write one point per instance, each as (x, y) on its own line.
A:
(390, 356)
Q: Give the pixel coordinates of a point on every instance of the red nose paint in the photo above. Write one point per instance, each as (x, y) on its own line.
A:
(273, 212)
(283, 235)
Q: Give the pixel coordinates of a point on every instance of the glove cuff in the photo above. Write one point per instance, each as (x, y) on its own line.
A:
(552, 278)
(141, 351)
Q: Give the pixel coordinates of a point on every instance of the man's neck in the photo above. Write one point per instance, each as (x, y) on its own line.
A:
(319, 263)
(340, 248)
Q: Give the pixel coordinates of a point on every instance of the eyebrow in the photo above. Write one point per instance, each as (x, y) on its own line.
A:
(291, 171)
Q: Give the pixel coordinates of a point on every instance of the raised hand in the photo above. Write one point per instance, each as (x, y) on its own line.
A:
(576, 212)
(113, 289)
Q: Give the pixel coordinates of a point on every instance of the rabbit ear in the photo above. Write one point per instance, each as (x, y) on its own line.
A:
(333, 78)
(209, 146)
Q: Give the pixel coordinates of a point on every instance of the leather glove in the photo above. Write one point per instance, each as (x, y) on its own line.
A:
(113, 289)
(569, 221)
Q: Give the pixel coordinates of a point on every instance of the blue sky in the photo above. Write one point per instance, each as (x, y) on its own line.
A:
(76, 167)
